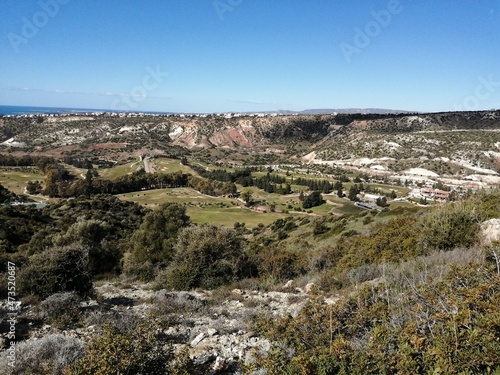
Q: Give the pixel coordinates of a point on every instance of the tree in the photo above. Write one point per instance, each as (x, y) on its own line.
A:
(153, 243)
(247, 197)
(312, 200)
(91, 234)
(89, 179)
(34, 187)
(353, 193)
(206, 256)
(381, 202)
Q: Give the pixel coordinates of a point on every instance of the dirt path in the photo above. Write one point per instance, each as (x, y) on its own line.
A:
(148, 168)
(25, 192)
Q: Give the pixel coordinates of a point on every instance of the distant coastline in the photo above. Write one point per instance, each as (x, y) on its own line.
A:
(11, 110)
(28, 110)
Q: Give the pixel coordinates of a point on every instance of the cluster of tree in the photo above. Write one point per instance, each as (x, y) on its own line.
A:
(272, 183)
(239, 176)
(6, 195)
(212, 187)
(41, 162)
(312, 200)
(78, 162)
(183, 257)
(323, 186)
(91, 233)
(18, 225)
(34, 187)
(59, 183)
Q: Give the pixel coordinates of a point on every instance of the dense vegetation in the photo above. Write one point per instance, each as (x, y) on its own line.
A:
(416, 290)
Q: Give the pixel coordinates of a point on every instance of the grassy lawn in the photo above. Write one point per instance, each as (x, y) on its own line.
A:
(228, 216)
(15, 179)
(152, 198)
(75, 171)
(164, 165)
(204, 209)
(119, 170)
(400, 190)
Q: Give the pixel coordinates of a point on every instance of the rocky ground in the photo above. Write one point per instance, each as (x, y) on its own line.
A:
(215, 325)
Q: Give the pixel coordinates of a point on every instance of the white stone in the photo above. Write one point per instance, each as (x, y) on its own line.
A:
(198, 339)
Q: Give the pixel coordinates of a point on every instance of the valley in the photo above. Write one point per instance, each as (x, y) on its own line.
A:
(231, 240)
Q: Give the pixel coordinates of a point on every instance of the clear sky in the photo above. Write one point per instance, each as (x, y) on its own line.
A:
(250, 55)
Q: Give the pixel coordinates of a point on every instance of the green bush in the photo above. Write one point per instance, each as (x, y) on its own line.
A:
(206, 257)
(140, 352)
(446, 326)
(312, 200)
(449, 226)
(56, 270)
(61, 309)
(280, 264)
(153, 243)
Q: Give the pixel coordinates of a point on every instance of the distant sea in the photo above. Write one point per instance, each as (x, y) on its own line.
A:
(23, 110)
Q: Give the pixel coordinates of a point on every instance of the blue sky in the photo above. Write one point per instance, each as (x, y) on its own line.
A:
(250, 55)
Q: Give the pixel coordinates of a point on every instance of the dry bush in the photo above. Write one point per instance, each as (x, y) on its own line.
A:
(177, 303)
(124, 321)
(48, 355)
(425, 269)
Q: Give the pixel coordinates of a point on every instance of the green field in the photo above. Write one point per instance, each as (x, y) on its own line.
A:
(204, 209)
(165, 165)
(226, 211)
(15, 179)
(120, 170)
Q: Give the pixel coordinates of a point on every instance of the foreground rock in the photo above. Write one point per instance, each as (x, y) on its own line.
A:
(216, 326)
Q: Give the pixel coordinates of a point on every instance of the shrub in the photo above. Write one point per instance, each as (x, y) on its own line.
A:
(140, 352)
(48, 355)
(449, 326)
(280, 264)
(61, 309)
(206, 257)
(60, 269)
(449, 226)
(177, 303)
